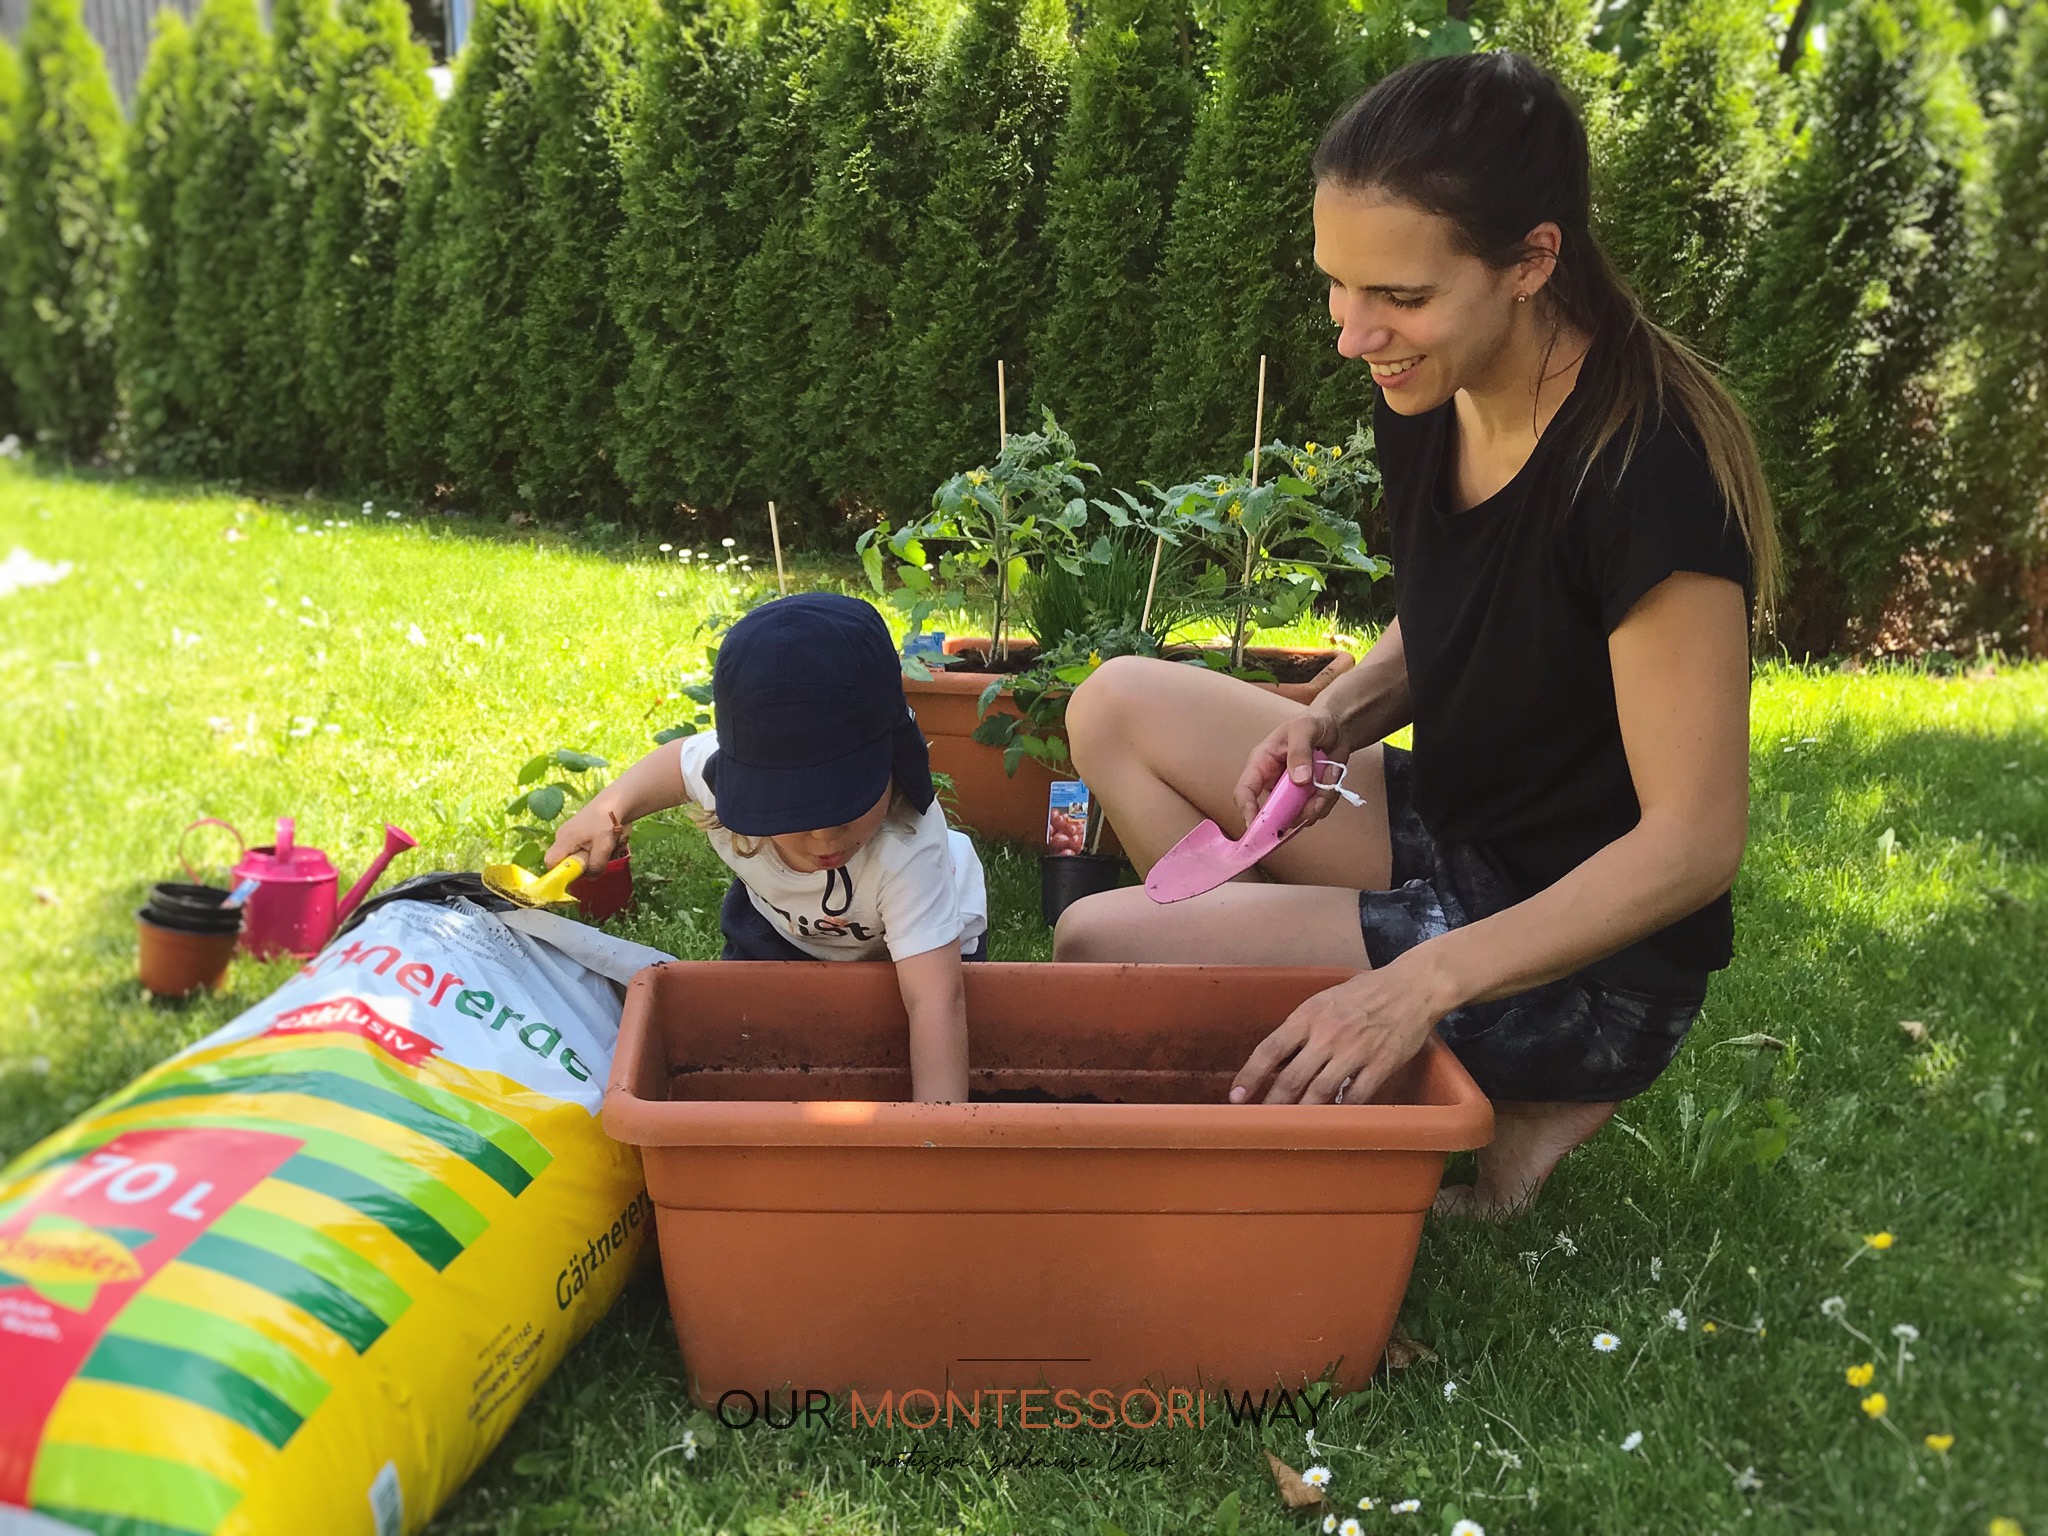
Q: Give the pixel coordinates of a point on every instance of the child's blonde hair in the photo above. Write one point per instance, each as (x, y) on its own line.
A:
(748, 847)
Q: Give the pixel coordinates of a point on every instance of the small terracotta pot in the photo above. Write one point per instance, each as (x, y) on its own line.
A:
(1012, 805)
(1129, 1225)
(176, 963)
(606, 893)
(1064, 878)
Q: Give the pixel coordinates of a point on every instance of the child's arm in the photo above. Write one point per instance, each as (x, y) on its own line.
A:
(934, 987)
(596, 831)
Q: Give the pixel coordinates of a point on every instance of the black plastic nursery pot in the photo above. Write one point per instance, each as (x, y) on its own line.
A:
(1064, 878)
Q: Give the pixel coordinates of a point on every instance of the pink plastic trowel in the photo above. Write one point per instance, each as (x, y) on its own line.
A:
(1205, 858)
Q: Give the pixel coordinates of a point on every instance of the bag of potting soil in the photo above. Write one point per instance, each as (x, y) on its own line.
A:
(300, 1277)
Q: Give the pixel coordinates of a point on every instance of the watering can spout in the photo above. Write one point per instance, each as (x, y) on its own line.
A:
(395, 843)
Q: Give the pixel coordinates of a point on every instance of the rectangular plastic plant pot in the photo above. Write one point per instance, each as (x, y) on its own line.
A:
(1102, 1218)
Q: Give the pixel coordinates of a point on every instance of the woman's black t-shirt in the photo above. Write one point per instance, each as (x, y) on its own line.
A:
(1505, 612)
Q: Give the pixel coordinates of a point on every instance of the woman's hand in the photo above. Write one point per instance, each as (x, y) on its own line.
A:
(1363, 1029)
(1291, 750)
(594, 834)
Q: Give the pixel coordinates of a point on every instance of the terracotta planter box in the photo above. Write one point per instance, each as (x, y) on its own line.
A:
(816, 1232)
(997, 804)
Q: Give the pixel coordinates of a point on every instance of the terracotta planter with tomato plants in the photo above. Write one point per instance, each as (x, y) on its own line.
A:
(997, 804)
(1098, 1217)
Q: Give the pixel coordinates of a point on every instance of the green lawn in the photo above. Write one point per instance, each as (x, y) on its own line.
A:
(350, 668)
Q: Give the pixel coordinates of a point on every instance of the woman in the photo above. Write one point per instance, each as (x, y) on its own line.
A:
(1580, 531)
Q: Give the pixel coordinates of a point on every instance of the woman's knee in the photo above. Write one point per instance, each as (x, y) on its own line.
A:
(1102, 708)
(1088, 931)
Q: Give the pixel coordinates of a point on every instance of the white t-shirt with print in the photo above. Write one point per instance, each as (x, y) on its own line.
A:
(916, 885)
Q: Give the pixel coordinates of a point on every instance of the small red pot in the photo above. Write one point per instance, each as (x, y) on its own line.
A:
(607, 892)
(177, 963)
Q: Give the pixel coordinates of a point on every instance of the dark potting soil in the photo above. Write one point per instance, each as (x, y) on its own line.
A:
(1030, 1096)
(1023, 655)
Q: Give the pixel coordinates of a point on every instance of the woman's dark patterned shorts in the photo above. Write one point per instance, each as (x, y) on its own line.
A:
(1576, 1039)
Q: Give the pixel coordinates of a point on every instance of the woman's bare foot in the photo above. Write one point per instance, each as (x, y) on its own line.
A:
(1528, 1140)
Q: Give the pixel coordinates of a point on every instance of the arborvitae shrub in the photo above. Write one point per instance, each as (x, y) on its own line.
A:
(370, 119)
(59, 285)
(277, 436)
(575, 351)
(1239, 275)
(486, 247)
(869, 178)
(767, 323)
(1113, 179)
(10, 97)
(977, 275)
(2002, 516)
(155, 386)
(673, 260)
(220, 215)
(416, 410)
(1840, 341)
(1695, 148)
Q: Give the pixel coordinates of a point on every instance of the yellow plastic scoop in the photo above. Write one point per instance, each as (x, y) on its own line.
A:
(517, 883)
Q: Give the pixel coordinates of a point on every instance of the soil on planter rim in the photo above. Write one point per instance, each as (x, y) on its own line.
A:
(1023, 655)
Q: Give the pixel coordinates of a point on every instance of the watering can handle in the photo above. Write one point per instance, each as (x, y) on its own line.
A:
(208, 821)
(287, 830)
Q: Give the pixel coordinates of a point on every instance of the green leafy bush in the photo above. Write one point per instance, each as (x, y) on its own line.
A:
(371, 118)
(534, 813)
(575, 352)
(1696, 143)
(220, 215)
(416, 409)
(1841, 341)
(870, 176)
(1239, 276)
(159, 427)
(60, 280)
(673, 260)
(10, 98)
(277, 437)
(485, 248)
(1113, 179)
(976, 271)
(765, 340)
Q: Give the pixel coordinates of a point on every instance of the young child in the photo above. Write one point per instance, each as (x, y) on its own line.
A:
(816, 789)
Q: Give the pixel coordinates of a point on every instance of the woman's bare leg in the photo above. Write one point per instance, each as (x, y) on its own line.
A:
(1528, 1142)
(1162, 745)
(1235, 924)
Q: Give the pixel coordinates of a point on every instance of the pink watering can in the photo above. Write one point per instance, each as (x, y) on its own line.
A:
(292, 909)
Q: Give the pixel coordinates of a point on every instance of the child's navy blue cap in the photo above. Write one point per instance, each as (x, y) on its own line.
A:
(812, 722)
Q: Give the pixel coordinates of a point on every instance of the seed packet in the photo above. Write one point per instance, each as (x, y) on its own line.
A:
(1066, 821)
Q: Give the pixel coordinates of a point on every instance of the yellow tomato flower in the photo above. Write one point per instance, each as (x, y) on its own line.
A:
(976, 477)
(1095, 658)
(1875, 1405)
(1336, 453)
(1879, 1240)
(1309, 473)
(1311, 447)
(1236, 510)
(1859, 1375)
(2004, 1525)
(1939, 1444)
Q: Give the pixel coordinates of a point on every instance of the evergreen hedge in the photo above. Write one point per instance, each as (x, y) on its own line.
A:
(416, 409)
(673, 260)
(977, 272)
(59, 285)
(278, 436)
(220, 214)
(1840, 342)
(371, 116)
(2003, 440)
(10, 99)
(484, 245)
(1120, 153)
(870, 176)
(575, 352)
(764, 344)
(1240, 278)
(1697, 138)
(155, 388)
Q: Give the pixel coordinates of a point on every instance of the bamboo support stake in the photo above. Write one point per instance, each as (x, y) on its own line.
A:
(1251, 545)
(998, 643)
(1002, 409)
(775, 533)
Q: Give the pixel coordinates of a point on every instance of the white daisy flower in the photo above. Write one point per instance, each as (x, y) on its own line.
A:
(1632, 1439)
(1367, 1503)
(1407, 1507)
(1351, 1527)
(1450, 1390)
(1606, 1343)
(727, 543)
(1329, 1524)
(1468, 1528)
(368, 508)
(690, 1445)
(414, 636)
(1566, 1246)
(1746, 1481)
(665, 548)
(1906, 1332)
(1834, 1307)
(1676, 1319)
(1317, 1477)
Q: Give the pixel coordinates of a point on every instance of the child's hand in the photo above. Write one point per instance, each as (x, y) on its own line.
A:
(594, 834)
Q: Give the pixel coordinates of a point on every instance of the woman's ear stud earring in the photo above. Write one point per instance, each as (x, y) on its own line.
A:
(1521, 298)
